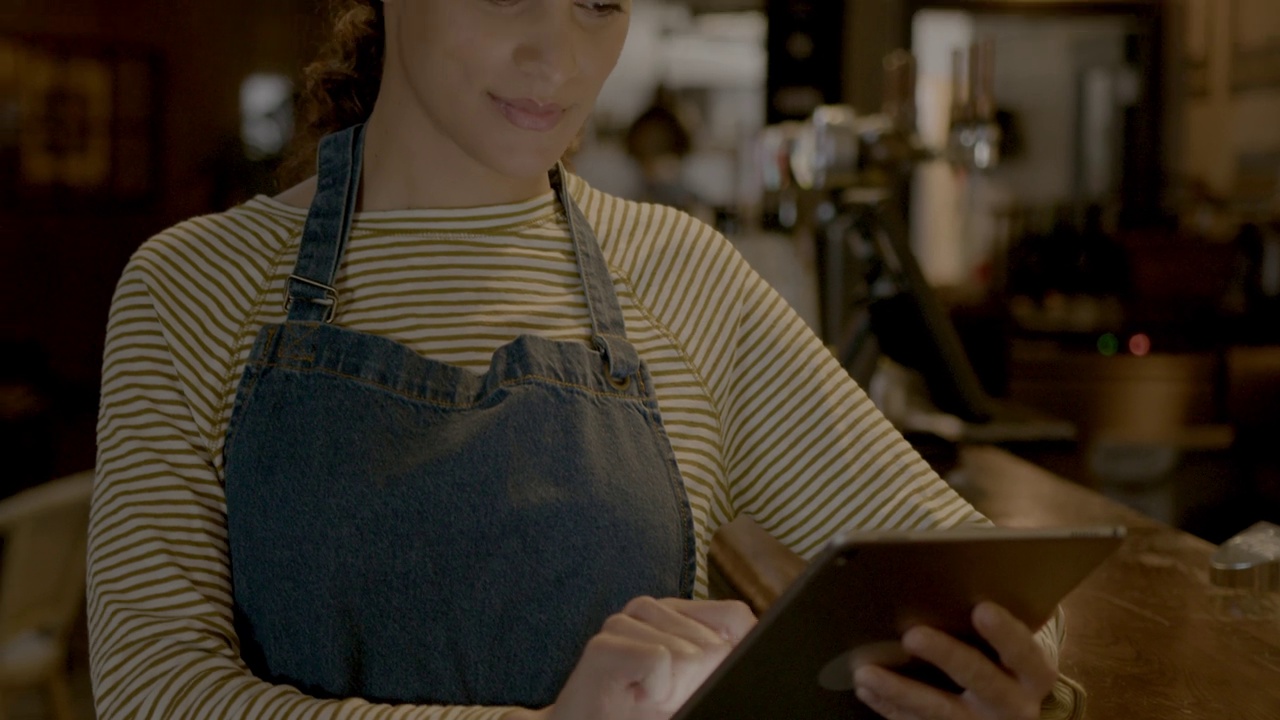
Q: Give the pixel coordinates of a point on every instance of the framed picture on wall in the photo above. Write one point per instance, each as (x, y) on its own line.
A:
(1255, 44)
(78, 128)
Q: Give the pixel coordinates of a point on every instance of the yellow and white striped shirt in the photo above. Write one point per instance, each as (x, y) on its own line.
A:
(762, 419)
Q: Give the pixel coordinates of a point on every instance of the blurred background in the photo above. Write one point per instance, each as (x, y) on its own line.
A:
(1086, 196)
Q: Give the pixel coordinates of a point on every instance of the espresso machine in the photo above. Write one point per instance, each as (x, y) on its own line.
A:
(846, 175)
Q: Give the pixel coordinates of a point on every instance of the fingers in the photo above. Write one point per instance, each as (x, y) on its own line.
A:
(648, 659)
(1019, 651)
(638, 668)
(729, 619)
(697, 636)
(898, 698)
(615, 677)
(963, 663)
(625, 626)
(1013, 691)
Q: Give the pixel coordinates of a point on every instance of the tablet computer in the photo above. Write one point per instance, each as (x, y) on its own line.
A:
(864, 590)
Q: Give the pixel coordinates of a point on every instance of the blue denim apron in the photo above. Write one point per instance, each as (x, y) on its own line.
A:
(407, 531)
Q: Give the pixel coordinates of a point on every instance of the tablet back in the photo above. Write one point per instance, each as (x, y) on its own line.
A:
(864, 590)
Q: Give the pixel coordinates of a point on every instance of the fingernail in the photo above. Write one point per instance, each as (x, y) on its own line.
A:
(865, 678)
(867, 696)
(985, 615)
(913, 639)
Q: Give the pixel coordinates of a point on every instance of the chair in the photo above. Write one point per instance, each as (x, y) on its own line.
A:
(42, 581)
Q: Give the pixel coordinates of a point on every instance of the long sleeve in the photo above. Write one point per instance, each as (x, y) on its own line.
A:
(162, 641)
(728, 362)
(808, 454)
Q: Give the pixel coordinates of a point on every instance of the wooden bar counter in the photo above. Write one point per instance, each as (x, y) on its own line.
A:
(1148, 636)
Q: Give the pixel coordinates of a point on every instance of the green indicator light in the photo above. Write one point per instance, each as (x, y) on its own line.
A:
(1109, 344)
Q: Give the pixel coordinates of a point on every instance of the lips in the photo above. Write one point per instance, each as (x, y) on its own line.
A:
(529, 114)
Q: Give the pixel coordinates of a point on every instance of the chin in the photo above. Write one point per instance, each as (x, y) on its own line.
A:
(523, 160)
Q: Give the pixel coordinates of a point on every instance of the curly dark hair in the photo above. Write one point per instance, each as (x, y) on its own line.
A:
(341, 85)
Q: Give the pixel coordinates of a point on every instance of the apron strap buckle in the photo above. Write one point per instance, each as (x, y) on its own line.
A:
(329, 299)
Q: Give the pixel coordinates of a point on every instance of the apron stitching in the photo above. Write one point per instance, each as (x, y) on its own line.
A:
(522, 380)
(231, 385)
(291, 346)
(680, 496)
(234, 429)
(684, 357)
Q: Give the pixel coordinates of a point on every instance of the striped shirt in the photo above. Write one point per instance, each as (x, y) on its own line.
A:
(761, 417)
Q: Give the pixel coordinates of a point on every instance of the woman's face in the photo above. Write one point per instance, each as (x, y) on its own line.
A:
(509, 82)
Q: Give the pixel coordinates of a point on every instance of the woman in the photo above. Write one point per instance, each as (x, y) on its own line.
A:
(440, 434)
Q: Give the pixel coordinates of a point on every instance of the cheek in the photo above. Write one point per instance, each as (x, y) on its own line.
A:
(604, 54)
(459, 63)
(453, 47)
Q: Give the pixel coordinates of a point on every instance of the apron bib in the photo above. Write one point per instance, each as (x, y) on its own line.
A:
(406, 531)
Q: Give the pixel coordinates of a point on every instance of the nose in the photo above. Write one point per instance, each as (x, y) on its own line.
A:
(547, 51)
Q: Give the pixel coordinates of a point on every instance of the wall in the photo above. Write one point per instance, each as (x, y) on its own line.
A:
(938, 197)
(1039, 61)
(717, 60)
(1038, 66)
(1222, 124)
(58, 270)
(1206, 134)
(872, 29)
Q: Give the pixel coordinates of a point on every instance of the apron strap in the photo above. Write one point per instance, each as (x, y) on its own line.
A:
(309, 293)
(608, 330)
(312, 297)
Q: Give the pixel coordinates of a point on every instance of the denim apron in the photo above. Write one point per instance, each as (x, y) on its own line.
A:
(408, 531)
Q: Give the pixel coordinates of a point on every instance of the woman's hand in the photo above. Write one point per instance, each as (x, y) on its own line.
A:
(992, 692)
(648, 659)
